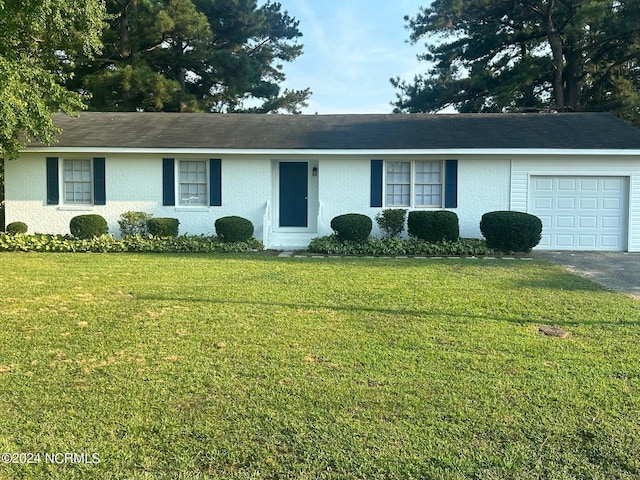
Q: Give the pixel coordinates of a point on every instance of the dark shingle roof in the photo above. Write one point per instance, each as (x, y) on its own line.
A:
(421, 131)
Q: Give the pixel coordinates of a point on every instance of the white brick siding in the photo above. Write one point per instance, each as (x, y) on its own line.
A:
(486, 182)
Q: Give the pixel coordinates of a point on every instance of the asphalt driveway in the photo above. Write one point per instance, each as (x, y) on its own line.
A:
(617, 271)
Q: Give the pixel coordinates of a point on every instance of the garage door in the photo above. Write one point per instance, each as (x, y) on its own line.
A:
(581, 213)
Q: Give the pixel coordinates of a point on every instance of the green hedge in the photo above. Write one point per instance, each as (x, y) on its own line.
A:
(395, 246)
(433, 226)
(233, 229)
(135, 243)
(88, 226)
(16, 227)
(352, 227)
(163, 227)
(509, 231)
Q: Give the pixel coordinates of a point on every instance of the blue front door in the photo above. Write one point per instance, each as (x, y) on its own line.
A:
(294, 192)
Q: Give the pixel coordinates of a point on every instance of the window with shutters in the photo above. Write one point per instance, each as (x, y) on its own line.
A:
(192, 183)
(77, 182)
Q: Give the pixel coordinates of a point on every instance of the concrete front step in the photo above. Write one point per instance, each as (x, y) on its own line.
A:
(289, 241)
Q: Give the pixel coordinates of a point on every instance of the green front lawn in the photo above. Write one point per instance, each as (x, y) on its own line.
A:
(249, 366)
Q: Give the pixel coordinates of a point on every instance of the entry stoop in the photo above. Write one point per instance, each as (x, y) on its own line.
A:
(289, 241)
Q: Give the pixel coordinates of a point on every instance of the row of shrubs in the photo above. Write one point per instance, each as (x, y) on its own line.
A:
(504, 231)
(140, 232)
(133, 243)
(430, 233)
(397, 247)
(230, 229)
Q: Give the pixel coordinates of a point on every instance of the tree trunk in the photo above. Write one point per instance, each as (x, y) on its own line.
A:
(125, 39)
(574, 73)
(557, 50)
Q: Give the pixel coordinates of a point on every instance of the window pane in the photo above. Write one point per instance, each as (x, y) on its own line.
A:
(428, 195)
(428, 172)
(398, 195)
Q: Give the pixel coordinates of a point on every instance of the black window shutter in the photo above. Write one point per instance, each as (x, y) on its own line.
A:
(53, 186)
(451, 184)
(215, 182)
(168, 182)
(99, 182)
(376, 183)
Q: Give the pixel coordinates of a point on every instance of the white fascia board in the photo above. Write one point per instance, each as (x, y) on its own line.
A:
(340, 152)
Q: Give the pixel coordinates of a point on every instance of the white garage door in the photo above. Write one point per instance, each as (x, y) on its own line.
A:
(581, 213)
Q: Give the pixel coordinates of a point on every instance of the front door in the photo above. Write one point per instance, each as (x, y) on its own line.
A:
(294, 192)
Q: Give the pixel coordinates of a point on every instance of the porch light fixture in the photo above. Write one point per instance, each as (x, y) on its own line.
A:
(314, 171)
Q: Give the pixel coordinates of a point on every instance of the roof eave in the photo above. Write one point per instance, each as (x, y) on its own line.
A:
(340, 152)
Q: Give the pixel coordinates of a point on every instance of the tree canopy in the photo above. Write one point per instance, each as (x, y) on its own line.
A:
(40, 39)
(193, 55)
(514, 55)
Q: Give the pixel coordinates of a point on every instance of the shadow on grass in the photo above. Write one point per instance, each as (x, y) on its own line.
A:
(397, 311)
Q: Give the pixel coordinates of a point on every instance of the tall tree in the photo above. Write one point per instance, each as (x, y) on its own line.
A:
(40, 39)
(194, 55)
(510, 55)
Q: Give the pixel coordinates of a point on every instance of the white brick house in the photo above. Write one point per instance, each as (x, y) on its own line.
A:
(290, 175)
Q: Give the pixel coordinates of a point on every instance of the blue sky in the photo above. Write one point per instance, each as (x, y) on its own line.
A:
(351, 50)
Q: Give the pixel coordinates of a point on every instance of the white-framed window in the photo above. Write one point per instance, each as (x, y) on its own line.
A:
(77, 181)
(193, 182)
(415, 184)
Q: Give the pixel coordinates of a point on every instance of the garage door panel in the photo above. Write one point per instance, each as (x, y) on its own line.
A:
(566, 203)
(564, 241)
(581, 213)
(612, 184)
(588, 184)
(588, 222)
(588, 203)
(610, 242)
(543, 184)
(611, 204)
(565, 222)
(611, 222)
(587, 241)
(543, 203)
(566, 184)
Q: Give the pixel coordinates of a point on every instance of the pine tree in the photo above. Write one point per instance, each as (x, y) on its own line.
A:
(193, 55)
(514, 55)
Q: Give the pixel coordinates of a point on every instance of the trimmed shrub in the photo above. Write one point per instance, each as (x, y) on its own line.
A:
(438, 226)
(16, 227)
(511, 231)
(353, 227)
(88, 226)
(391, 221)
(134, 223)
(163, 227)
(233, 229)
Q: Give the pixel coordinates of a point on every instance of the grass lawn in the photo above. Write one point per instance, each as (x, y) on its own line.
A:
(204, 366)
